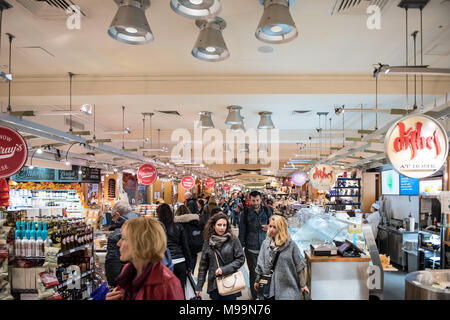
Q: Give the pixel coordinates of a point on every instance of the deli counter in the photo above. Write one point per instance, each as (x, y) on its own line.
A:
(341, 255)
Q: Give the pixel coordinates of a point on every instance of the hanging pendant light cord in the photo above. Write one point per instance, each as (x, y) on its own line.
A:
(376, 103)
(94, 123)
(143, 132)
(407, 100)
(421, 54)
(11, 37)
(414, 35)
(123, 127)
(70, 101)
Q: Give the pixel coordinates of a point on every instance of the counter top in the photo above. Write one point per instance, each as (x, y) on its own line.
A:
(338, 258)
(393, 229)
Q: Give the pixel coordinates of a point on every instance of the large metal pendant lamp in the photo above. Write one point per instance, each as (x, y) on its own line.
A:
(205, 120)
(276, 24)
(210, 45)
(265, 121)
(234, 115)
(195, 9)
(130, 24)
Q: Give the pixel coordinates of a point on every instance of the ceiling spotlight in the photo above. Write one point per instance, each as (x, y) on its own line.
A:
(130, 23)
(115, 170)
(39, 151)
(210, 45)
(266, 121)
(31, 167)
(276, 24)
(67, 163)
(338, 109)
(205, 120)
(79, 172)
(87, 109)
(234, 115)
(194, 9)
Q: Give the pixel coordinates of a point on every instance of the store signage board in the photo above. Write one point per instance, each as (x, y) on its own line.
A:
(68, 175)
(209, 182)
(299, 178)
(13, 152)
(226, 187)
(187, 182)
(91, 175)
(147, 174)
(417, 146)
(409, 186)
(322, 177)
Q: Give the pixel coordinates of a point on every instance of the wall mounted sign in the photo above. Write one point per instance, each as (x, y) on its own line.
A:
(209, 183)
(13, 152)
(187, 183)
(417, 146)
(226, 187)
(299, 178)
(147, 174)
(322, 177)
(91, 175)
(68, 175)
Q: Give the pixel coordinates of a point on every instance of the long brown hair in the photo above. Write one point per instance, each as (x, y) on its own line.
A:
(209, 228)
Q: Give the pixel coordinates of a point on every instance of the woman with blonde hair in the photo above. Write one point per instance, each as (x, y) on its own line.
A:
(145, 277)
(287, 281)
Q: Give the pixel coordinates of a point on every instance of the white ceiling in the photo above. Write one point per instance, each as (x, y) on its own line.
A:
(326, 43)
(338, 45)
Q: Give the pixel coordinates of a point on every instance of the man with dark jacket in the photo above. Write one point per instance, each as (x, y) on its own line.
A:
(190, 202)
(121, 212)
(252, 233)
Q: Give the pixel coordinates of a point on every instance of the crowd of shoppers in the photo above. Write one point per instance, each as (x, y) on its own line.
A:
(140, 249)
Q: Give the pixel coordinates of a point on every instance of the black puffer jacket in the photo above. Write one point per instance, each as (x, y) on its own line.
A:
(113, 265)
(177, 243)
(193, 230)
(231, 258)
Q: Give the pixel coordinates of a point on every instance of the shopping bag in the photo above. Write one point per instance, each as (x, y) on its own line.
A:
(100, 292)
(189, 290)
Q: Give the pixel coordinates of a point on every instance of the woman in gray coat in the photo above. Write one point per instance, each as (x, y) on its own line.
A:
(288, 281)
(219, 240)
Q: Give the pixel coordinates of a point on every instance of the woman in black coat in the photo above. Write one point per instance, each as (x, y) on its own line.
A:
(220, 240)
(177, 243)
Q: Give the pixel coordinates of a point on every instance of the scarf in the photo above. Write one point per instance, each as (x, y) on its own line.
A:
(217, 241)
(130, 283)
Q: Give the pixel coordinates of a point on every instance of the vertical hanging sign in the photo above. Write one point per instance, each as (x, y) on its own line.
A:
(322, 177)
(417, 146)
(13, 152)
(147, 174)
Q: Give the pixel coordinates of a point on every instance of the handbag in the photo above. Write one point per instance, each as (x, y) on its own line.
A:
(264, 282)
(230, 284)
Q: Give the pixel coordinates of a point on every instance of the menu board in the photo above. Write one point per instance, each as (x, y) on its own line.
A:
(91, 175)
(68, 175)
(35, 175)
(409, 186)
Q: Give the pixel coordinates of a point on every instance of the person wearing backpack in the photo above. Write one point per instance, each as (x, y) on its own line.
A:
(191, 224)
(253, 227)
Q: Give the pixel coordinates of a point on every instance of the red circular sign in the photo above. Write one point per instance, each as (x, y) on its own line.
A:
(13, 152)
(187, 182)
(209, 182)
(226, 187)
(147, 174)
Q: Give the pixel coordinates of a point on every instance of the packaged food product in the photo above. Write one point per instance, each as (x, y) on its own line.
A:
(51, 257)
(48, 279)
